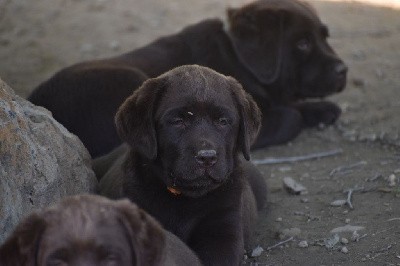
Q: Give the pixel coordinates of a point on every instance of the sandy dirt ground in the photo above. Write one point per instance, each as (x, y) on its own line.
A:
(39, 37)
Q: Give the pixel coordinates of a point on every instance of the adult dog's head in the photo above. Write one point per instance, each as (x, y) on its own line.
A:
(283, 44)
(192, 122)
(86, 230)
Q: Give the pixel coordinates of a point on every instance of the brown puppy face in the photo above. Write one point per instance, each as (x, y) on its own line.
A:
(198, 121)
(197, 128)
(84, 240)
(284, 40)
(85, 230)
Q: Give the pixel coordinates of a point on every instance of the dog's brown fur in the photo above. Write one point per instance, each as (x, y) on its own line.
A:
(185, 130)
(276, 49)
(92, 230)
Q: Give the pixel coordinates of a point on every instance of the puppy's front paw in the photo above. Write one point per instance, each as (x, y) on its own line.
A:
(315, 113)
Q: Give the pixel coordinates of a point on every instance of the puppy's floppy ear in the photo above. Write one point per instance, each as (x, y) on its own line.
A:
(22, 245)
(257, 38)
(147, 236)
(250, 117)
(135, 118)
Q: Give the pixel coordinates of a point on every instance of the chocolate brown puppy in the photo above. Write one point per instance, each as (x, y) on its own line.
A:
(186, 133)
(277, 49)
(92, 230)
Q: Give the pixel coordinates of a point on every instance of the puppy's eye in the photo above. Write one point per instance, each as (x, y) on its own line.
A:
(304, 45)
(178, 122)
(222, 121)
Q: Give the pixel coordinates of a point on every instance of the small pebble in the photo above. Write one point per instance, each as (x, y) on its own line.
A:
(279, 219)
(344, 250)
(355, 236)
(338, 203)
(397, 171)
(392, 180)
(331, 242)
(303, 244)
(347, 220)
(257, 252)
(293, 186)
(345, 212)
(344, 241)
(304, 200)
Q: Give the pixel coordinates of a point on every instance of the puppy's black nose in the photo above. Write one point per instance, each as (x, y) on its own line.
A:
(341, 69)
(206, 157)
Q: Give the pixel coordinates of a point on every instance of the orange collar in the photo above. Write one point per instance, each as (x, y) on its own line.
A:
(174, 191)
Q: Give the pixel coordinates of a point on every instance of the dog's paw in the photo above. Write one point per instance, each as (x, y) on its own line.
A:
(315, 113)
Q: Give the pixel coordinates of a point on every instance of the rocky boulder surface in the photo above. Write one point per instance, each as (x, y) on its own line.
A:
(40, 161)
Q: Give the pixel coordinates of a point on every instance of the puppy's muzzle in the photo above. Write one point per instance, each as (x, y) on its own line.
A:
(206, 158)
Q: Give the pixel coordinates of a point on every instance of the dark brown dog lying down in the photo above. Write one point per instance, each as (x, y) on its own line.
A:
(92, 230)
(277, 49)
(185, 131)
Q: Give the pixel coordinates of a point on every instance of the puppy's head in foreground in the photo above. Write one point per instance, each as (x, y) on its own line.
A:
(85, 230)
(284, 41)
(191, 123)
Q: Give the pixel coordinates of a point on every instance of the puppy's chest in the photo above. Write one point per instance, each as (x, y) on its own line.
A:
(179, 214)
(176, 213)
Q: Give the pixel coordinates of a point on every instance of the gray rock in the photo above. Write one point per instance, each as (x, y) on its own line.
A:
(40, 161)
(347, 228)
(332, 241)
(338, 203)
(344, 241)
(257, 252)
(344, 250)
(294, 187)
(302, 244)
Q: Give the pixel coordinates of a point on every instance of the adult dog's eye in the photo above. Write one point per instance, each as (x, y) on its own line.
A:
(223, 121)
(304, 45)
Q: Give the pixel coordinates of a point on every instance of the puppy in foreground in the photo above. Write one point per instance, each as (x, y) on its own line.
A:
(92, 230)
(185, 132)
(277, 49)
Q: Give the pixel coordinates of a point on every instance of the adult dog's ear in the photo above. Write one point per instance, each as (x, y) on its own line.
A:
(257, 38)
(147, 236)
(250, 117)
(22, 245)
(135, 118)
